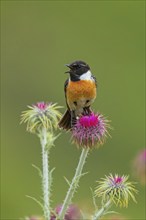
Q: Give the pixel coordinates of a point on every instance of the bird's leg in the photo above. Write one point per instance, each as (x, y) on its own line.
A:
(73, 118)
(87, 110)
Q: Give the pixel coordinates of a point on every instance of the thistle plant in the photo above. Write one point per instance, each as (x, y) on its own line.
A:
(41, 119)
(88, 132)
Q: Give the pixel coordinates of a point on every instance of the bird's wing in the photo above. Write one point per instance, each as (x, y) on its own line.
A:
(65, 86)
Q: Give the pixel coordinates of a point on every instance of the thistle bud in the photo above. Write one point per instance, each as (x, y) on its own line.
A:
(41, 115)
(116, 189)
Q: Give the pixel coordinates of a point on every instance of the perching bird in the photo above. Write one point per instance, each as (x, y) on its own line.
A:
(80, 93)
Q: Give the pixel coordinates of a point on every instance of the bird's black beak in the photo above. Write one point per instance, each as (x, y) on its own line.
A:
(69, 66)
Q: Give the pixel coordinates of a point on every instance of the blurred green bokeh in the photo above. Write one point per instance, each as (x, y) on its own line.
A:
(37, 39)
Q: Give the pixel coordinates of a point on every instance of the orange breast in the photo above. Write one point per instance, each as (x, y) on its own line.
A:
(81, 89)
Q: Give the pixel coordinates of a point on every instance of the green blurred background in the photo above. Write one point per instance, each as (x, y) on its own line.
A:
(38, 38)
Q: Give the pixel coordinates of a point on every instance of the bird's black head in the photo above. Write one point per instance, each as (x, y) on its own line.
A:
(77, 68)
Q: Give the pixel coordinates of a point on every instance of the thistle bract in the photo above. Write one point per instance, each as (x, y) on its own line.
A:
(90, 130)
(41, 115)
(117, 189)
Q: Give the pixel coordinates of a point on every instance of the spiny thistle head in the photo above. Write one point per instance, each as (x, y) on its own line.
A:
(73, 212)
(90, 130)
(41, 115)
(117, 189)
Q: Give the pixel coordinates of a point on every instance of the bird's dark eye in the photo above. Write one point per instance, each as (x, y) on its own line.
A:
(76, 66)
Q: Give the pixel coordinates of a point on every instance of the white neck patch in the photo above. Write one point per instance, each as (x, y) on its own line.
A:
(86, 76)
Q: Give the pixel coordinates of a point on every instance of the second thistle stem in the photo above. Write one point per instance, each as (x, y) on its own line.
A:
(74, 183)
(101, 211)
(45, 175)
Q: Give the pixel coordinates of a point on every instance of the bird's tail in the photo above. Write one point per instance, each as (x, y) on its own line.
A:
(69, 118)
(65, 121)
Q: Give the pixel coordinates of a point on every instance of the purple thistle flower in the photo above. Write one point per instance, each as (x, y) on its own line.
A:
(90, 130)
(73, 213)
(42, 105)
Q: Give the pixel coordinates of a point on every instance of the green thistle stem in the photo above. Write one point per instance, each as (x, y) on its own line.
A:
(74, 183)
(101, 211)
(45, 175)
